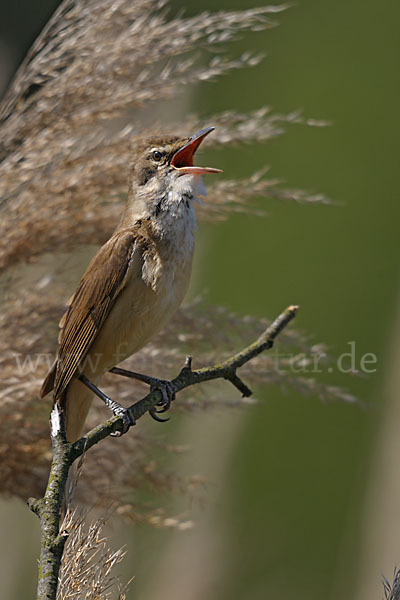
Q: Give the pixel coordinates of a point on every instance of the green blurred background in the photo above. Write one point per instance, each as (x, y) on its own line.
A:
(300, 500)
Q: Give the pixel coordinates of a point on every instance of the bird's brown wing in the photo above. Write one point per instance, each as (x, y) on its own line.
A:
(88, 308)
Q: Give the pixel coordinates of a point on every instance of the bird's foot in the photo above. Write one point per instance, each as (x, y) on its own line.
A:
(123, 413)
(165, 387)
(168, 393)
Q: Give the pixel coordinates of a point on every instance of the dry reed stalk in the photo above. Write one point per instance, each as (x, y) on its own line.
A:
(88, 563)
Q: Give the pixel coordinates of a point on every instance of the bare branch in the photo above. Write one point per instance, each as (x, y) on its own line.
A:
(64, 453)
(187, 377)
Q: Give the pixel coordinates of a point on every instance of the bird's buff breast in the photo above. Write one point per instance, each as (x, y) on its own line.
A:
(141, 310)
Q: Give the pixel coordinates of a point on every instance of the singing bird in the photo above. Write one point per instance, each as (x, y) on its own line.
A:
(134, 283)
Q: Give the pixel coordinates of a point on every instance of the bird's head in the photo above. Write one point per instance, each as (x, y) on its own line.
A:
(164, 166)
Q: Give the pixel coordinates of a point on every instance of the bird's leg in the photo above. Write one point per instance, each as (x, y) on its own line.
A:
(116, 408)
(165, 387)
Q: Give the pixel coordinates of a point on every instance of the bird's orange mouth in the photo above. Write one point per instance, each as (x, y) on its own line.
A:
(182, 160)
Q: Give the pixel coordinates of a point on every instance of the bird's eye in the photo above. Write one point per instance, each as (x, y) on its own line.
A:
(156, 155)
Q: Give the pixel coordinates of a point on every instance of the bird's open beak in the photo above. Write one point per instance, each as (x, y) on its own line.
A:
(182, 160)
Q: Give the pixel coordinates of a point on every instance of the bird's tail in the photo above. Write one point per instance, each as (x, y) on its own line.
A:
(76, 401)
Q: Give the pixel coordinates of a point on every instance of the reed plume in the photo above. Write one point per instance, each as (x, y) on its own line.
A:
(88, 564)
(98, 78)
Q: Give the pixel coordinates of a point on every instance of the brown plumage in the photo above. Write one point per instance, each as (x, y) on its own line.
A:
(136, 280)
(89, 307)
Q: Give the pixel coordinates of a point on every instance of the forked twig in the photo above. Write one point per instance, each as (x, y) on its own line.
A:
(65, 453)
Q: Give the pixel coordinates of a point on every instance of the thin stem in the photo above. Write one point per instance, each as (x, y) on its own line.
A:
(48, 510)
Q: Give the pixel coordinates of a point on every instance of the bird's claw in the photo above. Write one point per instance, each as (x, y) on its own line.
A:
(168, 395)
(127, 420)
(153, 412)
